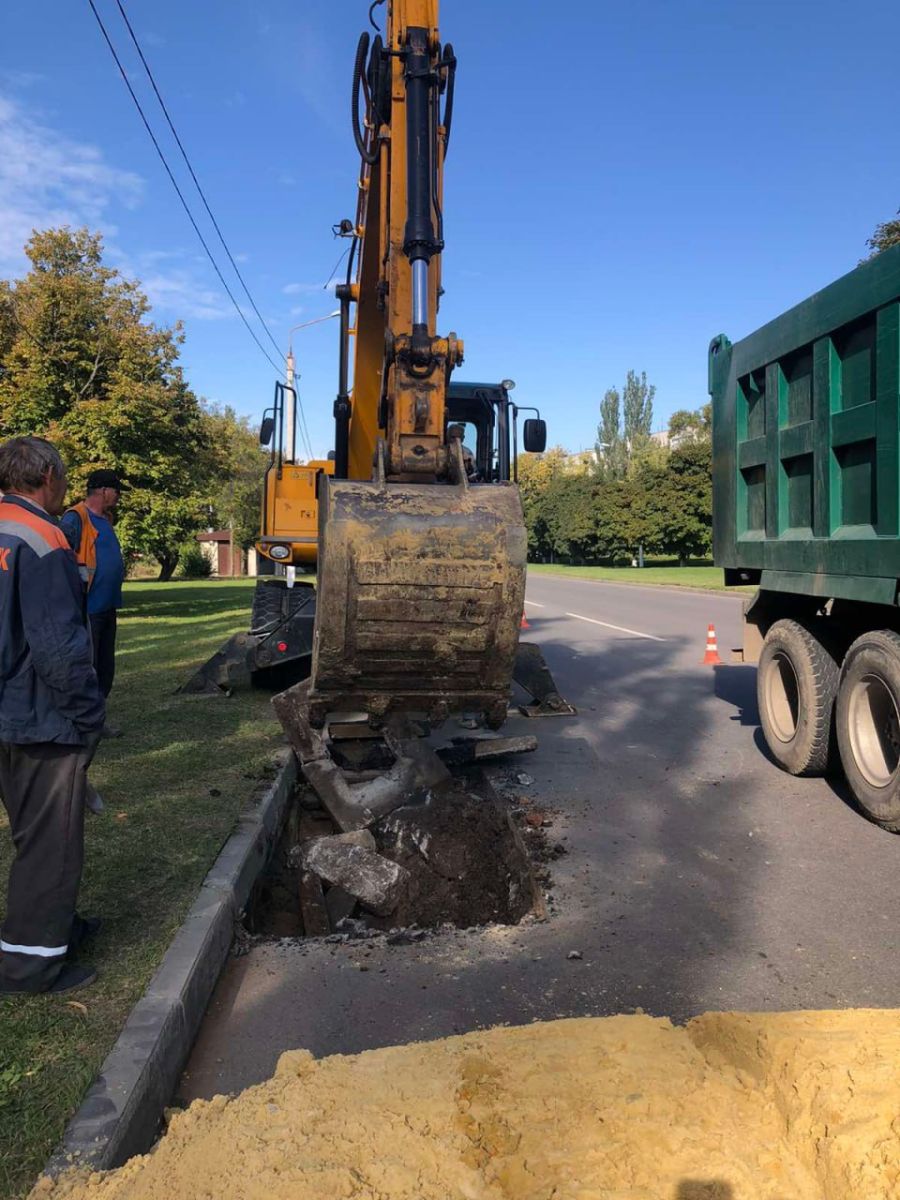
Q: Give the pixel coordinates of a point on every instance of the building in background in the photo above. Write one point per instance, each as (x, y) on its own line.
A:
(216, 546)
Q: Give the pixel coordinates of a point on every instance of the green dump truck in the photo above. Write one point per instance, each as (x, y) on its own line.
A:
(806, 506)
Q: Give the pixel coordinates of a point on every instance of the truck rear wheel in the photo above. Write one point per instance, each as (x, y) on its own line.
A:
(868, 725)
(796, 684)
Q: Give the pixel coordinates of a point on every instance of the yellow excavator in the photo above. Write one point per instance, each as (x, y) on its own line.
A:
(420, 541)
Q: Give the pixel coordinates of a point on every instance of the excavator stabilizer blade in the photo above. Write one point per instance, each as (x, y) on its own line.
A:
(420, 596)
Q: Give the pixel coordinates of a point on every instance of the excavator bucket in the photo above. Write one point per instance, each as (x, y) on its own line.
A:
(420, 596)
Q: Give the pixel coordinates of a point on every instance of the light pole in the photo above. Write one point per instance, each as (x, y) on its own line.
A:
(290, 400)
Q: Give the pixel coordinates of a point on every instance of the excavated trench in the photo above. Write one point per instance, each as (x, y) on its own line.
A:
(462, 853)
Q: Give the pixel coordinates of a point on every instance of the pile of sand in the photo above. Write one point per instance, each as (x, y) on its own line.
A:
(793, 1106)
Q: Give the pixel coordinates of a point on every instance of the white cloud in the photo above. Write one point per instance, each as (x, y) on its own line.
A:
(177, 292)
(302, 289)
(297, 311)
(48, 179)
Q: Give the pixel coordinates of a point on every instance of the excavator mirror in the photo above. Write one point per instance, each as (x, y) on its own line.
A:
(266, 429)
(534, 436)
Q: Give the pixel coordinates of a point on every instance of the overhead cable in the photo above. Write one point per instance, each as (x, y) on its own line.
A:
(187, 163)
(184, 204)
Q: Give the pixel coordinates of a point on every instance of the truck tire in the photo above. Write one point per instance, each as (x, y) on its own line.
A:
(868, 725)
(796, 685)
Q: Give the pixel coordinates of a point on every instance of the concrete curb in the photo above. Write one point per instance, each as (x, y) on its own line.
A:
(120, 1115)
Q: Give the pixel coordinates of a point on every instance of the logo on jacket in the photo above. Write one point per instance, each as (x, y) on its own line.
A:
(4, 557)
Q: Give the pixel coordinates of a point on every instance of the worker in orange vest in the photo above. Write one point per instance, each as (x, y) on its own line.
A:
(91, 535)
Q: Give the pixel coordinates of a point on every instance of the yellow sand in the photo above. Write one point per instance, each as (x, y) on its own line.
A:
(789, 1106)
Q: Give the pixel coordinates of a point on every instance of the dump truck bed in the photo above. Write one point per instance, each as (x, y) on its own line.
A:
(806, 443)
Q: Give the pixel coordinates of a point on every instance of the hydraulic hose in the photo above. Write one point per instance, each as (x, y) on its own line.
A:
(368, 155)
(448, 61)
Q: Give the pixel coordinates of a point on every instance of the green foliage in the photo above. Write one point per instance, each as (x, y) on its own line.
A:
(568, 514)
(676, 503)
(653, 497)
(193, 563)
(637, 411)
(886, 234)
(536, 473)
(623, 435)
(685, 425)
(236, 491)
(611, 451)
(81, 364)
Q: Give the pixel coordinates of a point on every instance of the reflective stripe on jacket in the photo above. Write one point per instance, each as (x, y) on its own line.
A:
(86, 551)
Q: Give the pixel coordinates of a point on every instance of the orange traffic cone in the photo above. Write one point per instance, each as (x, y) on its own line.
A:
(711, 657)
(524, 624)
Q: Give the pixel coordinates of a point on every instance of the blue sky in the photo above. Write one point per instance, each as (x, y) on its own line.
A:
(624, 181)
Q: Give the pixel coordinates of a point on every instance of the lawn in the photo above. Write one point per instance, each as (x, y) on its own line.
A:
(173, 786)
(666, 575)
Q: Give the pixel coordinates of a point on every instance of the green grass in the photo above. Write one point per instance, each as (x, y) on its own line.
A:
(671, 575)
(173, 786)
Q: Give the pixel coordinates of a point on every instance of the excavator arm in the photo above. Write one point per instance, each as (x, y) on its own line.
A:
(421, 576)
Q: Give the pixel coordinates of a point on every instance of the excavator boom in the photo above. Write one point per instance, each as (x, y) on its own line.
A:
(421, 574)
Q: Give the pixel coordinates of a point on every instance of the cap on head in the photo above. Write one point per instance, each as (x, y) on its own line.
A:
(103, 478)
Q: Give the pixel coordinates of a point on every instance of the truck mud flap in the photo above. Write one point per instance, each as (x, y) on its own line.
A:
(532, 674)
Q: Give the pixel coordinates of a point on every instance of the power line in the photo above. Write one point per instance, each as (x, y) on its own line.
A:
(187, 161)
(178, 191)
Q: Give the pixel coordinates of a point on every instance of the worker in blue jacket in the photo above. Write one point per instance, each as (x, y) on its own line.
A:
(51, 710)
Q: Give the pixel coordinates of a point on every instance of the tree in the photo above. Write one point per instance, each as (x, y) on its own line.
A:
(623, 439)
(610, 450)
(569, 516)
(686, 425)
(81, 364)
(886, 234)
(678, 503)
(637, 410)
(536, 472)
(239, 465)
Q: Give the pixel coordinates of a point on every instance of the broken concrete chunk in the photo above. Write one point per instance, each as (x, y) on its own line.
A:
(375, 881)
(312, 906)
(340, 905)
(356, 837)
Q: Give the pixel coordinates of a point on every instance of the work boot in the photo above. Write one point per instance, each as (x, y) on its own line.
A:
(93, 800)
(71, 977)
(82, 929)
(110, 731)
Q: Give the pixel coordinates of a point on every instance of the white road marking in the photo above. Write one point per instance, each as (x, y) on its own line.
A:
(534, 604)
(619, 628)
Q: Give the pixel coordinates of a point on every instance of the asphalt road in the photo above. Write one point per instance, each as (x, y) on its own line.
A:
(698, 876)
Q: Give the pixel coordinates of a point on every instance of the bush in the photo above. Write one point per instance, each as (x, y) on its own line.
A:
(194, 564)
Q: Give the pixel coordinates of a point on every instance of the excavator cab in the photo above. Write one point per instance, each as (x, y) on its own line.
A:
(289, 517)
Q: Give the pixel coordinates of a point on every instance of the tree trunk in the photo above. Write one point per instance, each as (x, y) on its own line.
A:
(167, 564)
